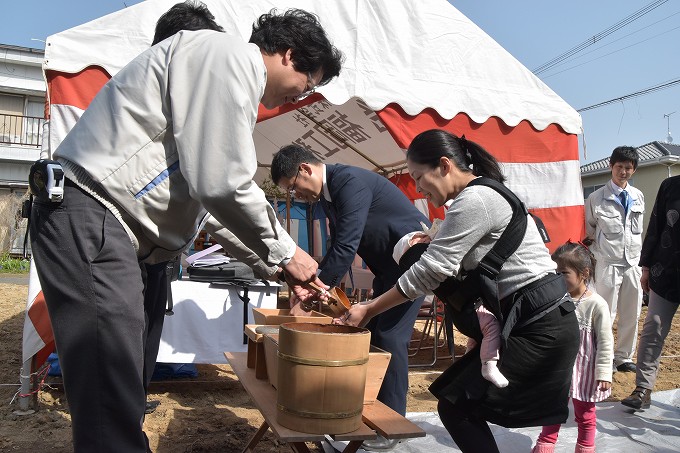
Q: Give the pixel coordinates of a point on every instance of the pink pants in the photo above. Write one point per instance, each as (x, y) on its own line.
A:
(584, 416)
(491, 335)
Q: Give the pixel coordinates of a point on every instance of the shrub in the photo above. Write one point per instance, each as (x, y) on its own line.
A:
(9, 265)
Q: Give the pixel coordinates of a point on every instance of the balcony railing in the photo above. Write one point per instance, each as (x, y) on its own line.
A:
(21, 130)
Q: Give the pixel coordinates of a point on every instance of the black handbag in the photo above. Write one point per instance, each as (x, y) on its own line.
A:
(231, 272)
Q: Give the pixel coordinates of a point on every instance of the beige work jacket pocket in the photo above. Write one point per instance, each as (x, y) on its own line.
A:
(610, 224)
(636, 214)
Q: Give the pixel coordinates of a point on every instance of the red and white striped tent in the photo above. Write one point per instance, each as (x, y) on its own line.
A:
(411, 65)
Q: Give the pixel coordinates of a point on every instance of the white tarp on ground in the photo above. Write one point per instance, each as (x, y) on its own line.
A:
(619, 429)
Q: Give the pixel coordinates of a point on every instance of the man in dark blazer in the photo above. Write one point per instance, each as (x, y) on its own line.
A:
(368, 215)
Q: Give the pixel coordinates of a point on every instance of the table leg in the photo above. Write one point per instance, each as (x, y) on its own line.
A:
(250, 362)
(256, 438)
(353, 446)
(260, 364)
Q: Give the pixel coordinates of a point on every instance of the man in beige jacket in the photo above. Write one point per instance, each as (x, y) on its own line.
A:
(614, 225)
(165, 147)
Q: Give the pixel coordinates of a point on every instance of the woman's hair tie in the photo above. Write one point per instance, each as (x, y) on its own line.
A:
(464, 146)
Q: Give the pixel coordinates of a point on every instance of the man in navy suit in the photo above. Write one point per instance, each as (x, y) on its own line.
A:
(368, 215)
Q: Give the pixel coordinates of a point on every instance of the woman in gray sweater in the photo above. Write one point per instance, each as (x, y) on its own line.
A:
(541, 339)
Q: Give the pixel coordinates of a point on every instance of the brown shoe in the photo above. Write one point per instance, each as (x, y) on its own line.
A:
(639, 399)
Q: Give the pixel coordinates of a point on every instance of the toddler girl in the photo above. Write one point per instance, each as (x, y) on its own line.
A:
(592, 375)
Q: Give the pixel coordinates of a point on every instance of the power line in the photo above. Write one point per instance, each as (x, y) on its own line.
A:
(659, 87)
(583, 55)
(590, 41)
(607, 54)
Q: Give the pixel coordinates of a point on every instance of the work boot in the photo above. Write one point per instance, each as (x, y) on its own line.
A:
(641, 398)
(581, 449)
(543, 447)
(151, 406)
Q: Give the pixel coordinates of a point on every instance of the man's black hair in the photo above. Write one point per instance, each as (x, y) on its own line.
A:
(301, 32)
(288, 159)
(625, 154)
(188, 15)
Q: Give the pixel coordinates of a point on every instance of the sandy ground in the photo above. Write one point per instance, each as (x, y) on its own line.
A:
(211, 413)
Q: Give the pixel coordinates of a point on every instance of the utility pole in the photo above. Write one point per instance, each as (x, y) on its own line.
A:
(669, 138)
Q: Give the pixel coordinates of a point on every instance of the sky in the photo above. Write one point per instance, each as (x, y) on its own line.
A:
(640, 55)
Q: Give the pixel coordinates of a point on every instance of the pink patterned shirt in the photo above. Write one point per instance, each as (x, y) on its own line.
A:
(595, 354)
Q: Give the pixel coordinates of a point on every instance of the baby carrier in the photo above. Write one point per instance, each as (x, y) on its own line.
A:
(478, 286)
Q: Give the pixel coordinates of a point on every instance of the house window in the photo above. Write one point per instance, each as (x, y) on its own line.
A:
(11, 104)
(21, 119)
(590, 189)
(35, 111)
(11, 111)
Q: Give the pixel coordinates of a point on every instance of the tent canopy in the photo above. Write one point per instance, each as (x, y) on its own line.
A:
(410, 65)
(416, 53)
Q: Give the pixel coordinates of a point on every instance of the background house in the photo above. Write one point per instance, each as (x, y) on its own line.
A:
(657, 161)
(22, 112)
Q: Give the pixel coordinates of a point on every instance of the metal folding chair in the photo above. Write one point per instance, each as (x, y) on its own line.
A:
(435, 325)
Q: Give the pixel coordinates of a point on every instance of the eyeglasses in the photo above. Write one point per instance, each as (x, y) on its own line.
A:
(310, 89)
(291, 189)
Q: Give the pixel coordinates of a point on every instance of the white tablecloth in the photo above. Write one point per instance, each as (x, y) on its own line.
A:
(208, 320)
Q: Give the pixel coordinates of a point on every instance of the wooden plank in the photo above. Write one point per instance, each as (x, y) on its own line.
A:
(249, 330)
(389, 423)
(360, 434)
(377, 416)
(264, 398)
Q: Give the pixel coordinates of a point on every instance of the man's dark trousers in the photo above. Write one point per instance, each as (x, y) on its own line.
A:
(92, 283)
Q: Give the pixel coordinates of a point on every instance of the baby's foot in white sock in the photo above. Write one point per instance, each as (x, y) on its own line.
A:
(491, 373)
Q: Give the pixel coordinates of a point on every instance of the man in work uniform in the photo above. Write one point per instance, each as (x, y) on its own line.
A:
(614, 225)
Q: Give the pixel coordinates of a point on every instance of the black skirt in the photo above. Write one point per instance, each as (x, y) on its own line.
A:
(537, 359)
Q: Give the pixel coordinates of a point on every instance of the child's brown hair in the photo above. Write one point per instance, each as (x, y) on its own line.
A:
(578, 257)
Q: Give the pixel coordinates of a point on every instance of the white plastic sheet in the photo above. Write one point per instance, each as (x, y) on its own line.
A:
(619, 429)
